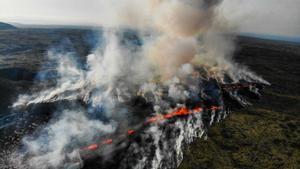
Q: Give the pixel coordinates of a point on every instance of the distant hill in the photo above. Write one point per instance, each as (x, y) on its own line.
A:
(6, 26)
(295, 39)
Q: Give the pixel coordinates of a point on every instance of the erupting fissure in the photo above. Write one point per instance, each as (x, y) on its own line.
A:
(182, 111)
(178, 112)
(161, 60)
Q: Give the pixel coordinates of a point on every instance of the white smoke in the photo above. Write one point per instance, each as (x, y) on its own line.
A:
(71, 78)
(50, 148)
(168, 147)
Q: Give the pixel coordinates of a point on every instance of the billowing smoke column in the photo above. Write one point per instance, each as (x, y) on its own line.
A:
(182, 64)
(179, 23)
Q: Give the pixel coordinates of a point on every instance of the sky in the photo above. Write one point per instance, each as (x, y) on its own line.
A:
(272, 17)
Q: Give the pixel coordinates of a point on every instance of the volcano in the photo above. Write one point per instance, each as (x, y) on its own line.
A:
(150, 86)
(135, 139)
(134, 142)
(208, 110)
(118, 104)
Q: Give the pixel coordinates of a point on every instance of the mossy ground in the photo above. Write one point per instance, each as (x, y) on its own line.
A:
(267, 134)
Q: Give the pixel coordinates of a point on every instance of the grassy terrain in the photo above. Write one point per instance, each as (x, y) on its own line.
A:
(22, 47)
(267, 134)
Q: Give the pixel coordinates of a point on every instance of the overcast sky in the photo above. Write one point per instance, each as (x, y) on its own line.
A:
(277, 17)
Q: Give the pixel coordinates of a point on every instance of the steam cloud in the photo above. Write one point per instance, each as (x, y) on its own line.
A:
(178, 37)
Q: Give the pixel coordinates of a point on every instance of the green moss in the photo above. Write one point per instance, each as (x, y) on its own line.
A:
(266, 135)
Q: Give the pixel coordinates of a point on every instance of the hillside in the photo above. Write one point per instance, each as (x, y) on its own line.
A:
(6, 26)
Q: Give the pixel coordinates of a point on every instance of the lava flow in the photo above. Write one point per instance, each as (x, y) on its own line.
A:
(178, 112)
(182, 111)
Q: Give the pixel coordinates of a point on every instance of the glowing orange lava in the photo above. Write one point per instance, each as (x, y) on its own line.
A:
(181, 111)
